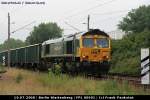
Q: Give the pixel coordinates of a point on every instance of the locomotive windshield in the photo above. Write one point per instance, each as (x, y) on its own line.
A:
(102, 42)
(88, 42)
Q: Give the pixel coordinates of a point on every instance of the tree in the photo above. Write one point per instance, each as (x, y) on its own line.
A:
(44, 32)
(126, 52)
(14, 43)
(137, 20)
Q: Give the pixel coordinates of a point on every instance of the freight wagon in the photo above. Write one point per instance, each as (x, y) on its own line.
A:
(3, 57)
(25, 56)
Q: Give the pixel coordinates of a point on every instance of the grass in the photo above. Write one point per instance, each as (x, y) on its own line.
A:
(2, 69)
(25, 82)
(19, 78)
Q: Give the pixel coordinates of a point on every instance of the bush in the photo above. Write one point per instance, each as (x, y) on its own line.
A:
(56, 69)
(126, 52)
(19, 78)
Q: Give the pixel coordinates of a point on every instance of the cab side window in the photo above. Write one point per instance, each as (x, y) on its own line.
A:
(47, 49)
(69, 47)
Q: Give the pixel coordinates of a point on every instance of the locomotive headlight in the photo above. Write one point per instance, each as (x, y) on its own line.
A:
(105, 57)
(83, 56)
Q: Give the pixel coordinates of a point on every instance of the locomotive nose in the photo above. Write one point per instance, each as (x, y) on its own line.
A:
(94, 55)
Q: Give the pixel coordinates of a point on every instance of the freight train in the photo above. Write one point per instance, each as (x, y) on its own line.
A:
(78, 52)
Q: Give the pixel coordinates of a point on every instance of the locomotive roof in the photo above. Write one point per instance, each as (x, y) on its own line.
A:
(52, 41)
(76, 35)
(64, 38)
(96, 31)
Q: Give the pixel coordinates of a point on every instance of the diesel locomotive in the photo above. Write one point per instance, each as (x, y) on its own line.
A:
(78, 52)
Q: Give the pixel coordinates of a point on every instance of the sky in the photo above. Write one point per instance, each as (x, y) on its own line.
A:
(104, 15)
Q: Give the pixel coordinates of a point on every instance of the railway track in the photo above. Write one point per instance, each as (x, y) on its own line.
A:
(120, 78)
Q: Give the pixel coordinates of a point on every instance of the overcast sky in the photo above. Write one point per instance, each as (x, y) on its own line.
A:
(104, 14)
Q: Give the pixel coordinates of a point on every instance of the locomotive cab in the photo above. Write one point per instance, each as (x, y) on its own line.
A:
(95, 48)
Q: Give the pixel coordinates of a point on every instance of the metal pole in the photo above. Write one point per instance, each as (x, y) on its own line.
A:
(8, 45)
(88, 23)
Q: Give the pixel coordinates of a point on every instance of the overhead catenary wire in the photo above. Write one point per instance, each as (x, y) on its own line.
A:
(23, 27)
(112, 12)
(85, 11)
(109, 18)
(73, 9)
(72, 26)
(106, 13)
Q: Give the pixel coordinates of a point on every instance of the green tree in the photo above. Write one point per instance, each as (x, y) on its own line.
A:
(14, 43)
(137, 20)
(126, 52)
(44, 32)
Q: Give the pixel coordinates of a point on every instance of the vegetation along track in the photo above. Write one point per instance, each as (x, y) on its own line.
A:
(130, 79)
(119, 77)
